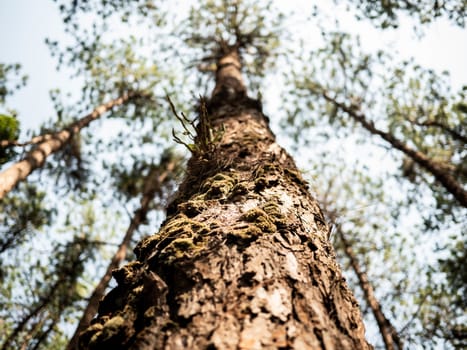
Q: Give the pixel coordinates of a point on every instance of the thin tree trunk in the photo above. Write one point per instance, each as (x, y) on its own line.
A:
(152, 185)
(51, 143)
(242, 261)
(436, 169)
(32, 333)
(46, 333)
(388, 332)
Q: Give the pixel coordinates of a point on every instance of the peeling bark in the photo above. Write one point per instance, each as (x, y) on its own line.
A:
(49, 144)
(242, 260)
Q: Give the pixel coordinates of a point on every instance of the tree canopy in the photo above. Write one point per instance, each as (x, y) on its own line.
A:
(380, 139)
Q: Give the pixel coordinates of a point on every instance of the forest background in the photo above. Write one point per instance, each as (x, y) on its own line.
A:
(404, 228)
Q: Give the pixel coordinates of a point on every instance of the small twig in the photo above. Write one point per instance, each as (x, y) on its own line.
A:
(184, 121)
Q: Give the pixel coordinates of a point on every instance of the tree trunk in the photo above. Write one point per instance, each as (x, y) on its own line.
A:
(243, 260)
(388, 332)
(49, 144)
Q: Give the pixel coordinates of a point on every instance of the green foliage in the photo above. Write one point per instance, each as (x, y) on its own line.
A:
(416, 106)
(10, 80)
(386, 13)
(367, 211)
(455, 273)
(421, 110)
(449, 294)
(9, 131)
(411, 103)
(202, 136)
(35, 325)
(68, 166)
(442, 301)
(20, 214)
(215, 26)
(105, 9)
(9, 127)
(131, 73)
(132, 182)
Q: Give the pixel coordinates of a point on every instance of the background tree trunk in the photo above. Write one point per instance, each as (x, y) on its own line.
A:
(388, 332)
(50, 143)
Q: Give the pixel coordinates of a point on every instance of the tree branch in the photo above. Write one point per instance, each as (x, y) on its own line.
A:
(433, 123)
(435, 168)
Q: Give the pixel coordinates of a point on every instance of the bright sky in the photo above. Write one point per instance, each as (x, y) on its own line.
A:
(25, 24)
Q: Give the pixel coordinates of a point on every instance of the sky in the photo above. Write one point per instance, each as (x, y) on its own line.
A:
(25, 24)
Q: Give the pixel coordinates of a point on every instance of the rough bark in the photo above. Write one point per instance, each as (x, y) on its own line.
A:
(153, 183)
(242, 260)
(388, 332)
(440, 173)
(51, 143)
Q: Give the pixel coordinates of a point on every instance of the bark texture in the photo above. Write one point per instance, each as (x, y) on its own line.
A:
(48, 144)
(242, 260)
